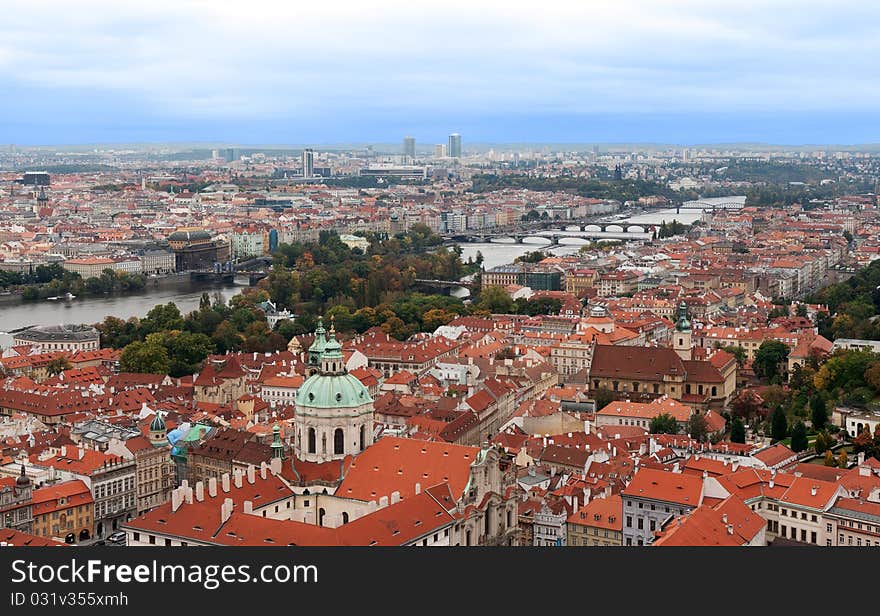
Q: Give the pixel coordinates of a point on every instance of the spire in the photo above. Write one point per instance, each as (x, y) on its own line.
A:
(317, 348)
(277, 447)
(683, 325)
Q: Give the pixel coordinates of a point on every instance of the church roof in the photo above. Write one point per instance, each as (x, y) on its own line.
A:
(332, 391)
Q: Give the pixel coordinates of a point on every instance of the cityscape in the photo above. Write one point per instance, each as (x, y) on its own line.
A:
(584, 275)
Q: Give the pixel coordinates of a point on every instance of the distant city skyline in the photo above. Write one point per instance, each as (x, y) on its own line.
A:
(680, 71)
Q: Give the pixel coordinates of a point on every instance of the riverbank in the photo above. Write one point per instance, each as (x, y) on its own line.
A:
(170, 281)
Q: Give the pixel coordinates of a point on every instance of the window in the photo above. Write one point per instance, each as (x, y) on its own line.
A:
(653, 525)
(629, 521)
(152, 540)
(813, 537)
(338, 441)
(828, 528)
(641, 523)
(312, 441)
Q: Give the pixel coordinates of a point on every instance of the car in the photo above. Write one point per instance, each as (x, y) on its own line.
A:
(99, 542)
(117, 537)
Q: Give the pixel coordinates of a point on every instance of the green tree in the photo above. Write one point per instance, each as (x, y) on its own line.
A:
(162, 317)
(842, 459)
(778, 424)
(663, 424)
(603, 397)
(770, 359)
(57, 365)
(698, 429)
(799, 437)
(145, 357)
(495, 300)
(738, 352)
(737, 431)
(818, 412)
(821, 443)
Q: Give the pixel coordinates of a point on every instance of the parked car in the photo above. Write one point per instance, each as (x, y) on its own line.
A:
(117, 538)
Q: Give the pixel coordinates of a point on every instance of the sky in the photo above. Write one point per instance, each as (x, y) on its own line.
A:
(294, 72)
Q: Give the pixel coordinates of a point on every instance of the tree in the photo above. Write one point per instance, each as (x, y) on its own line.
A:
(829, 459)
(818, 412)
(496, 300)
(145, 357)
(663, 424)
(603, 397)
(745, 405)
(163, 317)
(778, 424)
(770, 359)
(872, 376)
(738, 352)
(842, 459)
(737, 431)
(799, 437)
(821, 443)
(698, 429)
(58, 365)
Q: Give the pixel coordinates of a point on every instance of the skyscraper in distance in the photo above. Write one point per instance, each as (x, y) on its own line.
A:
(308, 163)
(454, 148)
(409, 147)
(440, 150)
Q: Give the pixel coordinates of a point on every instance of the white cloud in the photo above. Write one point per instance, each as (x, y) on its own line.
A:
(232, 58)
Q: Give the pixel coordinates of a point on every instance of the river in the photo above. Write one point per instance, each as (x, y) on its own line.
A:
(184, 293)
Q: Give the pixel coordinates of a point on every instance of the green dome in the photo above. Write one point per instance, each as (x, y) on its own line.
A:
(327, 391)
(158, 424)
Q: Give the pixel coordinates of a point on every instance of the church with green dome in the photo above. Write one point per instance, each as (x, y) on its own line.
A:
(334, 410)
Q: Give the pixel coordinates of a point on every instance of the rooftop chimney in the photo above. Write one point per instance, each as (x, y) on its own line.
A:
(275, 466)
(224, 482)
(226, 510)
(236, 477)
(176, 499)
(248, 507)
(418, 488)
(813, 491)
(263, 468)
(212, 487)
(251, 474)
(383, 501)
(200, 491)
(395, 497)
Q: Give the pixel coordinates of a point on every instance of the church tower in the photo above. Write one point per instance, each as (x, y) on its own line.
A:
(158, 431)
(334, 410)
(682, 340)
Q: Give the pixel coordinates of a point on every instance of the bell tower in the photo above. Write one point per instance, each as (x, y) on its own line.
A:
(682, 339)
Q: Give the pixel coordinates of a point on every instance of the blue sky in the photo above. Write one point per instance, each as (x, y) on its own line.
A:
(264, 71)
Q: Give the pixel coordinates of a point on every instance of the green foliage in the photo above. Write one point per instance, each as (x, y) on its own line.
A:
(663, 424)
(799, 437)
(671, 229)
(146, 358)
(58, 365)
(778, 424)
(534, 256)
(697, 428)
(603, 397)
(737, 431)
(770, 359)
(818, 412)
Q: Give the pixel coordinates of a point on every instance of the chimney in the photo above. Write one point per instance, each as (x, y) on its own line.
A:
(383, 501)
(730, 529)
(418, 488)
(212, 487)
(248, 507)
(226, 510)
(81, 453)
(64, 451)
(200, 491)
(724, 518)
(251, 474)
(224, 482)
(395, 497)
(864, 471)
(236, 477)
(772, 483)
(188, 495)
(176, 498)
(813, 491)
(263, 468)
(275, 466)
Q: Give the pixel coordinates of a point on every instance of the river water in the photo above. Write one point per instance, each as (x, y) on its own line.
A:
(187, 294)
(184, 293)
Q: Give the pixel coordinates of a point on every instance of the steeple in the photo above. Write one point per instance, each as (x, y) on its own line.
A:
(277, 447)
(332, 361)
(158, 431)
(317, 348)
(683, 325)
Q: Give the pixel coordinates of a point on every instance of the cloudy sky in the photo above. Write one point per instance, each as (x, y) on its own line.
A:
(293, 72)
